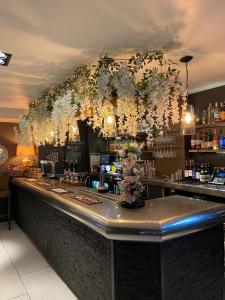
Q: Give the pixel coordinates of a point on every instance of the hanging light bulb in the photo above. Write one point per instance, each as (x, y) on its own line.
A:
(188, 115)
(110, 119)
(188, 121)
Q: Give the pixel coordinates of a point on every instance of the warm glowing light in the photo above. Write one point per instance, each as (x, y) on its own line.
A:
(74, 129)
(22, 150)
(110, 119)
(188, 121)
(27, 152)
(52, 133)
(188, 118)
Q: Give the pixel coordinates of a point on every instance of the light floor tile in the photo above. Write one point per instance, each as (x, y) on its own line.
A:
(23, 297)
(46, 285)
(22, 252)
(10, 283)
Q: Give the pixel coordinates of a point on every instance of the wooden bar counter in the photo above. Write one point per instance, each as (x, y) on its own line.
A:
(170, 249)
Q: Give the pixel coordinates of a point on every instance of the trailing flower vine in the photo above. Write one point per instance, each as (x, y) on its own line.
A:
(116, 97)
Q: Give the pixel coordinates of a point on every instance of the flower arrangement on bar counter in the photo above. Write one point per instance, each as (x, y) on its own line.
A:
(131, 185)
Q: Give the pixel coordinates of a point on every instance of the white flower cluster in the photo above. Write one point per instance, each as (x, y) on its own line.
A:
(103, 118)
(24, 132)
(64, 117)
(103, 83)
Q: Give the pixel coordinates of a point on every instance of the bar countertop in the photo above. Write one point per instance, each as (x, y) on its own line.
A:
(161, 219)
(198, 188)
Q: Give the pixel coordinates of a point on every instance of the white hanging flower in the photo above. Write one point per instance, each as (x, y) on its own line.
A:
(23, 133)
(63, 116)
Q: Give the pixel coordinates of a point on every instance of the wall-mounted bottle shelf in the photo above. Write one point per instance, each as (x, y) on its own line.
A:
(207, 151)
(210, 125)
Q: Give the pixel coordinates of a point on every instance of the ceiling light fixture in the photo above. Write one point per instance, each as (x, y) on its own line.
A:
(188, 117)
(5, 58)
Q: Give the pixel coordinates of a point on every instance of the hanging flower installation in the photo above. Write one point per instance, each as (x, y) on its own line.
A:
(64, 117)
(101, 97)
(116, 97)
(127, 104)
(41, 121)
(23, 133)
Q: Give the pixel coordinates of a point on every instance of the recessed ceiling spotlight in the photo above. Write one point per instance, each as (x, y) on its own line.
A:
(5, 58)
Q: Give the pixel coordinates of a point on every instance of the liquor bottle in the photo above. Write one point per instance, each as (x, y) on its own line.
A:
(223, 113)
(193, 171)
(215, 141)
(207, 140)
(197, 117)
(212, 114)
(202, 178)
(186, 173)
(203, 142)
(209, 113)
(204, 117)
(198, 143)
(190, 170)
(216, 113)
(210, 140)
(221, 139)
(193, 142)
(198, 172)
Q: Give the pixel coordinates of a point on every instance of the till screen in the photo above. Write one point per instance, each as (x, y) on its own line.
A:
(221, 174)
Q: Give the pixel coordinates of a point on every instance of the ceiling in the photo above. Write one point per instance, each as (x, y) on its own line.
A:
(48, 38)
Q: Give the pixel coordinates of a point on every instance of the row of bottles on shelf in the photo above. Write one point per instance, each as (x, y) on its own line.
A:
(211, 140)
(211, 114)
(197, 171)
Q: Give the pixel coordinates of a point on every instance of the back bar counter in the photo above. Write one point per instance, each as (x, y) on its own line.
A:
(170, 249)
(161, 187)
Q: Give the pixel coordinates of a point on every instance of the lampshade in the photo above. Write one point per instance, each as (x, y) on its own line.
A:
(188, 121)
(22, 150)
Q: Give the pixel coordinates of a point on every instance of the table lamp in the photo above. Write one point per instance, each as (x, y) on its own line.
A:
(27, 152)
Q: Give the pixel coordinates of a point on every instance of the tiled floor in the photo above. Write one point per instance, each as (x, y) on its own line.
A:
(24, 273)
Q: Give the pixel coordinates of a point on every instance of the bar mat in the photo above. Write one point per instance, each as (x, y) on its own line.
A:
(85, 199)
(60, 191)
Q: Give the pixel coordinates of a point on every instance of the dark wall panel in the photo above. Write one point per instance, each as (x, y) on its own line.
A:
(202, 99)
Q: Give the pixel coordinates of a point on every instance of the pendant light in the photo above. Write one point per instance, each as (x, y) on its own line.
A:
(188, 116)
